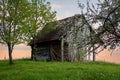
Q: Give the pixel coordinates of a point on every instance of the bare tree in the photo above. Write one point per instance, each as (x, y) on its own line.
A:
(107, 16)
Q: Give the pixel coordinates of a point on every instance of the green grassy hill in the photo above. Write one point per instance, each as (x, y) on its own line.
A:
(29, 70)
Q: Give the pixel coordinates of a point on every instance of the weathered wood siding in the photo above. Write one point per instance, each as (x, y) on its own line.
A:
(51, 51)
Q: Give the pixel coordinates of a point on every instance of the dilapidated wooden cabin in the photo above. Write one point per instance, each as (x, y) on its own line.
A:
(49, 46)
(59, 40)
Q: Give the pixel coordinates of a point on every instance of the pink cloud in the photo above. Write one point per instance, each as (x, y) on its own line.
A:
(16, 47)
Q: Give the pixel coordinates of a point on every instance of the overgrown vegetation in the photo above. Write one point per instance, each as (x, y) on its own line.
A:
(29, 70)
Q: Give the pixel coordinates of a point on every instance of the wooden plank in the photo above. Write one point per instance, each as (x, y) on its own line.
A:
(62, 49)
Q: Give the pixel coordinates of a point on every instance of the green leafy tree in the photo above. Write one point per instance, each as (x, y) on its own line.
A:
(40, 14)
(12, 13)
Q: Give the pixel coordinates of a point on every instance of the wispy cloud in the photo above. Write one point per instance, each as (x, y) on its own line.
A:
(65, 15)
(56, 6)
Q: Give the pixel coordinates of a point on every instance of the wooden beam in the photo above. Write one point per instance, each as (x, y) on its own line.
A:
(94, 52)
(62, 49)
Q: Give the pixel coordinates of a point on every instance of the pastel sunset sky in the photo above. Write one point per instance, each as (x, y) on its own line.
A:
(64, 8)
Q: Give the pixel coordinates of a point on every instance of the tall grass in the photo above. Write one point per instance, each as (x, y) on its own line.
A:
(29, 70)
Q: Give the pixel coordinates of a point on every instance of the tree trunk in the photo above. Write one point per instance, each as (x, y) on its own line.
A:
(50, 54)
(32, 52)
(33, 55)
(10, 49)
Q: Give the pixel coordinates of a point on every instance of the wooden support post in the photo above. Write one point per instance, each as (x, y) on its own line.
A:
(62, 49)
(94, 52)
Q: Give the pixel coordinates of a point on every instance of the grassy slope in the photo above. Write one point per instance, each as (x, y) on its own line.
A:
(28, 70)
